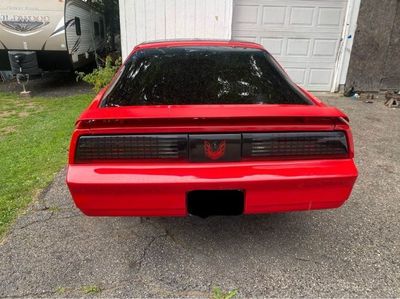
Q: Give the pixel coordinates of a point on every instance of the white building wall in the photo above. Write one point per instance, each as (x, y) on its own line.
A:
(349, 32)
(147, 20)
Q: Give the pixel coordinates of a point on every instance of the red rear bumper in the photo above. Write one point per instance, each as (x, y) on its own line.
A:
(160, 190)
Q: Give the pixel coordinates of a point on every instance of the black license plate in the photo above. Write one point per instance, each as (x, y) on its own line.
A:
(205, 203)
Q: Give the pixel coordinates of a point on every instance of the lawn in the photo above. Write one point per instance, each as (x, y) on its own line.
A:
(34, 138)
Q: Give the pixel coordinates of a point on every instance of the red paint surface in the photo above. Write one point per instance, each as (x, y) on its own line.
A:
(159, 188)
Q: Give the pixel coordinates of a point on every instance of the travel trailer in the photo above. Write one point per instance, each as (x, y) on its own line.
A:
(53, 35)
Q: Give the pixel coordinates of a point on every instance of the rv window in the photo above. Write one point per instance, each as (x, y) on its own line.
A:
(78, 26)
(96, 29)
(101, 28)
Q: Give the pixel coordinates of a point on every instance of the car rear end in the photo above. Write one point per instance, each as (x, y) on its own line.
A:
(174, 142)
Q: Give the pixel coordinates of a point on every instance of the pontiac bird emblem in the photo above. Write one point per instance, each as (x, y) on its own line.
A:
(214, 149)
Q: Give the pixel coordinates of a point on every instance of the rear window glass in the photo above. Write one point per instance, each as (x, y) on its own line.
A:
(199, 75)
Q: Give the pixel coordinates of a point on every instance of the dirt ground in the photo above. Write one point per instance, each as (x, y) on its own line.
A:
(50, 85)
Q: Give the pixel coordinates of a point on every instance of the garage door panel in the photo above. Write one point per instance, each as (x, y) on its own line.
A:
(325, 47)
(308, 49)
(309, 73)
(320, 76)
(274, 15)
(300, 15)
(309, 64)
(274, 45)
(298, 75)
(330, 16)
(314, 30)
(279, 33)
(298, 47)
(304, 35)
(319, 79)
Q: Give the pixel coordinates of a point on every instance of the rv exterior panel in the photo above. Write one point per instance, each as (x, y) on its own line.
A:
(40, 27)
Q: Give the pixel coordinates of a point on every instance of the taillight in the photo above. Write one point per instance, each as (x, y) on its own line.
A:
(212, 147)
(293, 145)
(131, 147)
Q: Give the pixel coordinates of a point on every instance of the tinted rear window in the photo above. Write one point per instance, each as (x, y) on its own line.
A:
(198, 75)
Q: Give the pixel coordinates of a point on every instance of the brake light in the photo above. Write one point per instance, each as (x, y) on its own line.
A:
(292, 145)
(131, 147)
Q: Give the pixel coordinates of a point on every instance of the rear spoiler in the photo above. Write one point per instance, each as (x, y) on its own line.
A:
(210, 112)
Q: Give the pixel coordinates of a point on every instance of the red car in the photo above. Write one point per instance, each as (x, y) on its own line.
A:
(208, 128)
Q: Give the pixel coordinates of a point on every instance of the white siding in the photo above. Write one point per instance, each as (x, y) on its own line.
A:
(146, 20)
(349, 32)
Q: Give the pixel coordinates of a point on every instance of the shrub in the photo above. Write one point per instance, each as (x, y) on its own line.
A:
(101, 76)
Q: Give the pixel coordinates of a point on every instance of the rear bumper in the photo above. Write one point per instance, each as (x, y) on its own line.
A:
(160, 189)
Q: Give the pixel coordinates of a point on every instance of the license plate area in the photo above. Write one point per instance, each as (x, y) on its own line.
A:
(205, 203)
(215, 147)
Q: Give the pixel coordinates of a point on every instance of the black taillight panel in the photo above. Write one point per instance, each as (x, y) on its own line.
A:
(212, 147)
(131, 147)
(302, 145)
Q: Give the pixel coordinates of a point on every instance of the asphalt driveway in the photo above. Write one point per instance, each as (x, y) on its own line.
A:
(354, 251)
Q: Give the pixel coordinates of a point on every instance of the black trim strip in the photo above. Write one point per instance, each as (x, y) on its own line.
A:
(57, 31)
(5, 48)
(75, 47)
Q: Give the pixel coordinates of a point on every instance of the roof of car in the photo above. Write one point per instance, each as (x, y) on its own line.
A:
(198, 42)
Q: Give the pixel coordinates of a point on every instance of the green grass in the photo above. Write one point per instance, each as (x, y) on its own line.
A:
(60, 290)
(34, 138)
(218, 293)
(91, 289)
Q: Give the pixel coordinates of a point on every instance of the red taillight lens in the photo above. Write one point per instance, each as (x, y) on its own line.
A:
(131, 147)
(301, 145)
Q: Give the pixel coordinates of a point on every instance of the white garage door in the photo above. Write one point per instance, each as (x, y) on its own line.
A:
(303, 35)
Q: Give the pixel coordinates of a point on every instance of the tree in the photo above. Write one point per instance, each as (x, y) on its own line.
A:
(111, 11)
(110, 8)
